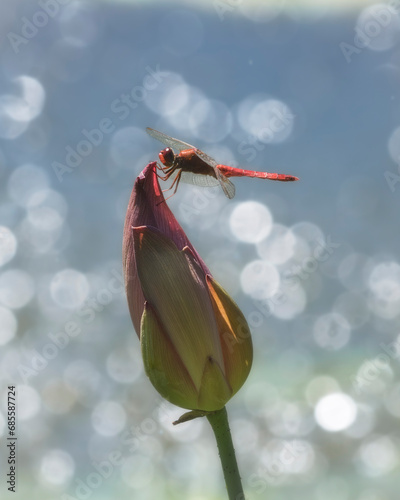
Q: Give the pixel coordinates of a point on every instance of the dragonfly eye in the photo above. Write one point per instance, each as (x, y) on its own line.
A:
(167, 157)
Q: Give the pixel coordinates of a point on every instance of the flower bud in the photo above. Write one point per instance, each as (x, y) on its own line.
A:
(195, 341)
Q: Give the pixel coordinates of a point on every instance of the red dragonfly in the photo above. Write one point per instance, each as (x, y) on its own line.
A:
(193, 166)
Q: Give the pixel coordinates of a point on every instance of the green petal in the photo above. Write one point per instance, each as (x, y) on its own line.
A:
(214, 390)
(163, 365)
(235, 336)
(174, 284)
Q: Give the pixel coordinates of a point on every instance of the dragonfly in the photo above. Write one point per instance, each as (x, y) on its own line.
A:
(193, 166)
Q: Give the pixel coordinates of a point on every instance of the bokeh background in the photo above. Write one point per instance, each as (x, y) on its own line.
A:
(304, 88)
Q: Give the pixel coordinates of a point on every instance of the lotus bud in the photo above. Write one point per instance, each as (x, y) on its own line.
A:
(195, 341)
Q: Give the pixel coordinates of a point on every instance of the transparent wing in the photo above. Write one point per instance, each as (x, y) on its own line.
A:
(226, 185)
(206, 181)
(169, 141)
(206, 158)
(190, 178)
(199, 180)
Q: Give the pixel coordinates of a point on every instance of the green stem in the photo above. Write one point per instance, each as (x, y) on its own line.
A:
(220, 426)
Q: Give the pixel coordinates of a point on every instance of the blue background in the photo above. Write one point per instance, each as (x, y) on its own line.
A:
(319, 414)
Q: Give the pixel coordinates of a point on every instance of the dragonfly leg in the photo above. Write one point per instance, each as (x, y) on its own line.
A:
(177, 180)
(168, 171)
(175, 184)
(162, 177)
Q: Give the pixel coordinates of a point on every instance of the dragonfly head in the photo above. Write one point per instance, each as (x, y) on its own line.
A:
(167, 157)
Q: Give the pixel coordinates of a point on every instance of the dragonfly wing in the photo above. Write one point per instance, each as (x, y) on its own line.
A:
(207, 181)
(199, 180)
(169, 141)
(190, 178)
(206, 158)
(226, 185)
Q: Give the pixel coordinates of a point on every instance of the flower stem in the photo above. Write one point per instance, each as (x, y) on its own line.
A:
(220, 426)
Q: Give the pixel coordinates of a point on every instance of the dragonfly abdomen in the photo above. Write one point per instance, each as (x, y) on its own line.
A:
(240, 172)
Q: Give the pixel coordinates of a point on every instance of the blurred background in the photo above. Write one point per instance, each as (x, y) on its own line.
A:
(308, 88)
